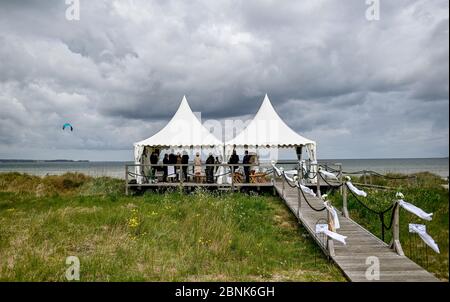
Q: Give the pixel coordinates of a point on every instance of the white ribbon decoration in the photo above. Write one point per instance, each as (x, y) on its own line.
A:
(277, 170)
(328, 174)
(356, 190)
(289, 178)
(303, 165)
(323, 228)
(294, 180)
(421, 230)
(333, 212)
(415, 210)
(307, 190)
(291, 172)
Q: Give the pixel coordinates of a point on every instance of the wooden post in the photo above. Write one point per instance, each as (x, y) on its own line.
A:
(273, 181)
(282, 181)
(344, 201)
(126, 180)
(340, 177)
(365, 179)
(395, 243)
(299, 179)
(181, 176)
(330, 243)
(319, 194)
(232, 178)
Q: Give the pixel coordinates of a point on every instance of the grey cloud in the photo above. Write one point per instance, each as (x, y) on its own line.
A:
(120, 72)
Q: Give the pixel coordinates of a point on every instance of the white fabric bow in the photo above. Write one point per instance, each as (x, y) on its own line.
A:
(328, 174)
(323, 228)
(421, 230)
(333, 213)
(415, 210)
(307, 190)
(277, 170)
(356, 190)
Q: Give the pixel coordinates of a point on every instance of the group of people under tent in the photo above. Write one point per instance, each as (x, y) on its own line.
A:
(174, 166)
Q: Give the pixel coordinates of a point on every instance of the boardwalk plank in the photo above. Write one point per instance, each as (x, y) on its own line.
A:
(361, 244)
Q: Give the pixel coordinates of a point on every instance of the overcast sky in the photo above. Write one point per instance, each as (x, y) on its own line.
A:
(361, 89)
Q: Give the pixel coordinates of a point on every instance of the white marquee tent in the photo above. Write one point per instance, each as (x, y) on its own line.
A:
(184, 130)
(268, 130)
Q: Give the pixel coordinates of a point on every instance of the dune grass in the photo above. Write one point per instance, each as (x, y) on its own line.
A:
(427, 193)
(153, 237)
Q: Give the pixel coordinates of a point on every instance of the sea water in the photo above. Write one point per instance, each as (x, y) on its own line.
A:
(439, 166)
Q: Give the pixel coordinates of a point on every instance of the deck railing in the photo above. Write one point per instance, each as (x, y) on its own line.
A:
(260, 175)
(223, 175)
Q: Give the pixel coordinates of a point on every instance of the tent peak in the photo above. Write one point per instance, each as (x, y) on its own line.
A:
(184, 100)
(184, 106)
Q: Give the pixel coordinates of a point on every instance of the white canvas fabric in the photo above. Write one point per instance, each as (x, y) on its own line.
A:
(421, 230)
(291, 173)
(307, 190)
(415, 210)
(267, 129)
(183, 130)
(138, 151)
(328, 174)
(356, 190)
(222, 177)
(323, 228)
(277, 170)
(334, 214)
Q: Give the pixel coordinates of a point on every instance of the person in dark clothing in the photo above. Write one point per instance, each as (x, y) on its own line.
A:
(154, 161)
(209, 171)
(216, 161)
(246, 160)
(172, 162)
(172, 158)
(234, 159)
(165, 162)
(185, 161)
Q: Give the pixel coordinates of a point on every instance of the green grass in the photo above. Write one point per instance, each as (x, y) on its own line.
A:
(153, 237)
(427, 193)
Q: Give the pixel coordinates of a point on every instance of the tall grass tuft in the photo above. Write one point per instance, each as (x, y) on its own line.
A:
(171, 236)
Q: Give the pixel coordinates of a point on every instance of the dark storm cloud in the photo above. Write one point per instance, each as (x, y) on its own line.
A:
(360, 88)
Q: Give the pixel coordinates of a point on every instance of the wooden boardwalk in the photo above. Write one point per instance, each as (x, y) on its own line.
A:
(361, 244)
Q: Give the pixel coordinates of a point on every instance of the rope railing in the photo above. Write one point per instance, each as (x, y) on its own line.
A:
(329, 184)
(379, 213)
(328, 168)
(393, 223)
(371, 172)
(367, 207)
(309, 204)
(287, 180)
(303, 193)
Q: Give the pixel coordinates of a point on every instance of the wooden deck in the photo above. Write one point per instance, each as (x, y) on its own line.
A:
(361, 244)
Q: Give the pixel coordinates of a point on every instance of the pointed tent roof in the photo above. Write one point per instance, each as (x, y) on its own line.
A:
(268, 129)
(183, 130)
